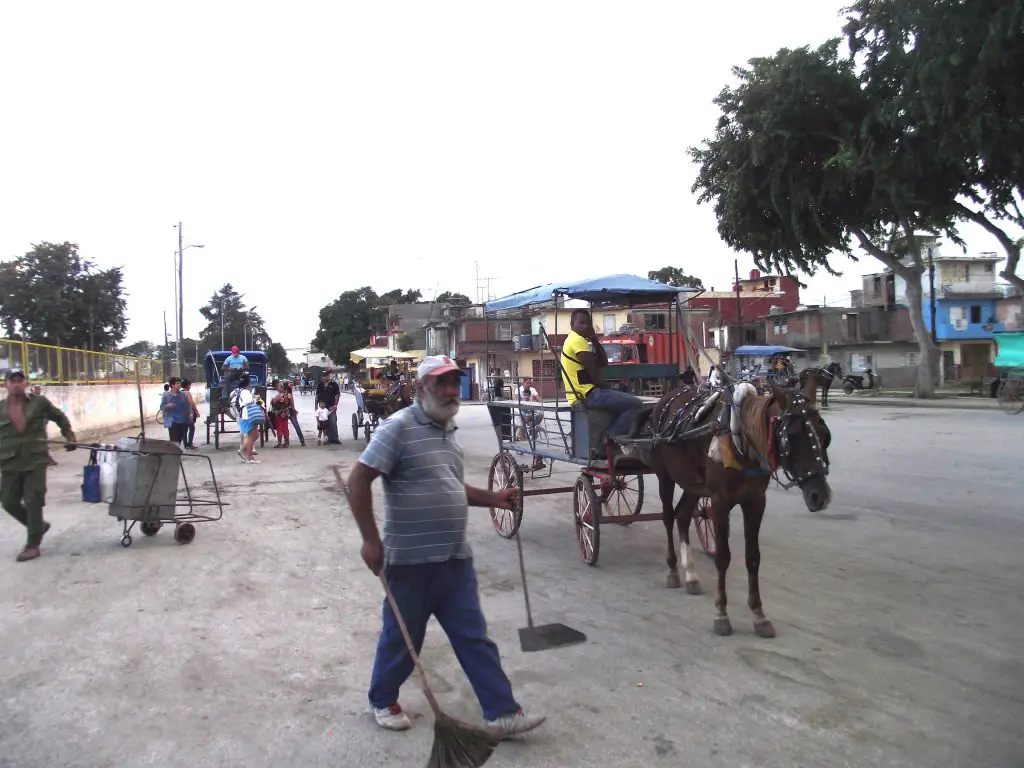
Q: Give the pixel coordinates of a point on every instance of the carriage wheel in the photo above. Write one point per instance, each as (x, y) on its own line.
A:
(366, 432)
(216, 434)
(626, 496)
(505, 473)
(355, 427)
(705, 528)
(1011, 396)
(207, 431)
(586, 508)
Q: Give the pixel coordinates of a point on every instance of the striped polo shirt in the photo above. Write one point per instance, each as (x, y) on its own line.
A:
(425, 506)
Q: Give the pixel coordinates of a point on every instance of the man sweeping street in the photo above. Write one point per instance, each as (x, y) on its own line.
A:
(424, 553)
(24, 458)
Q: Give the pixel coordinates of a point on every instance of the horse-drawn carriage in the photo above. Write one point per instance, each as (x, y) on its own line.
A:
(1009, 363)
(219, 393)
(376, 404)
(722, 445)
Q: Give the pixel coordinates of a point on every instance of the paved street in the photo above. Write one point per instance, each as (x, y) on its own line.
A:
(898, 612)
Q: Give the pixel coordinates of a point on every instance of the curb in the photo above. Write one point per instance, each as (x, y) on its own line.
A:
(942, 404)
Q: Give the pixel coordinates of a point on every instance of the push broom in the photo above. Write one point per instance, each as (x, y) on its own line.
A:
(456, 744)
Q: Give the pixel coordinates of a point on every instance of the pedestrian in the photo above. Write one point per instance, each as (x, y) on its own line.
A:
(24, 458)
(329, 394)
(193, 415)
(176, 412)
(280, 411)
(293, 415)
(250, 418)
(322, 416)
(424, 553)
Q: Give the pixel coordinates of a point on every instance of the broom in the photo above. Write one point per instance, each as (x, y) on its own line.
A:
(456, 744)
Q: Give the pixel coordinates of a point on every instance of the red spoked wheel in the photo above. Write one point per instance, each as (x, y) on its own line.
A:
(626, 496)
(586, 508)
(506, 473)
(705, 528)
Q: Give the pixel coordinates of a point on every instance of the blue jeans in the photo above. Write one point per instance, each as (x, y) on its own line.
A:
(447, 591)
(621, 405)
(294, 416)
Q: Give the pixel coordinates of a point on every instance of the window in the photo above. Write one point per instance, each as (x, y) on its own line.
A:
(975, 314)
(505, 332)
(609, 325)
(990, 267)
(652, 321)
(544, 370)
(781, 326)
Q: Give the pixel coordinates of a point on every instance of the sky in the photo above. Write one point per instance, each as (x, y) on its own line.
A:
(317, 147)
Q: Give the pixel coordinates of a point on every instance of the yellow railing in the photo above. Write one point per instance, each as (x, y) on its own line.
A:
(45, 364)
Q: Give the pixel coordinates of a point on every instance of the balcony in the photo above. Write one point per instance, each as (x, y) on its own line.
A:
(973, 288)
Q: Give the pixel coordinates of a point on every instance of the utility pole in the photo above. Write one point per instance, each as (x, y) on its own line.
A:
(739, 304)
(222, 322)
(931, 295)
(477, 265)
(181, 306)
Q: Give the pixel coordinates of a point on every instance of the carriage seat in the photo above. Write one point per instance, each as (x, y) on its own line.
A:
(589, 427)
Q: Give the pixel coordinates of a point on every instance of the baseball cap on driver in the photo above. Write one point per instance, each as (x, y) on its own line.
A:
(437, 365)
(234, 350)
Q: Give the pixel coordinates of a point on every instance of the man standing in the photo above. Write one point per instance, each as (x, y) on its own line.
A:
(424, 552)
(583, 357)
(24, 458)
(176, 410)
(329, 393)
(234, 366)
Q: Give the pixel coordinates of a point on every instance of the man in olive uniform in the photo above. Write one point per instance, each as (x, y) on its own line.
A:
(24, 457)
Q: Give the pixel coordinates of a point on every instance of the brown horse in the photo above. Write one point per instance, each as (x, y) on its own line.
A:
(822, 378)
(398, 396)
(781, 432)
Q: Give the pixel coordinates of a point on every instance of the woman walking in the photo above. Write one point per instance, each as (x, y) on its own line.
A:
(281, 411)
(250, 418)
(193, 415)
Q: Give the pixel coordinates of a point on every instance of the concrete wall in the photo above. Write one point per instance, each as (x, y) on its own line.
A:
(102, 409)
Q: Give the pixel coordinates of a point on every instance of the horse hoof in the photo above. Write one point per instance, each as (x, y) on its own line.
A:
(693, 588)
(672, 580)
(764, 628)
(723, 626)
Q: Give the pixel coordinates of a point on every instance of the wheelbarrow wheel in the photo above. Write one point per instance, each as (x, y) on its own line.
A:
(150, 527)
(184, 533)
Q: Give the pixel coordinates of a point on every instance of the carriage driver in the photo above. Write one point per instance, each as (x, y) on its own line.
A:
(583, 357)
(233, 367)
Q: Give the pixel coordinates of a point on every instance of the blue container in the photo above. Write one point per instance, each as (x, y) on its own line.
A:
(91, 484)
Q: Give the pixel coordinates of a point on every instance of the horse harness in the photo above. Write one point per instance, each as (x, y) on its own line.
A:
(780, 448)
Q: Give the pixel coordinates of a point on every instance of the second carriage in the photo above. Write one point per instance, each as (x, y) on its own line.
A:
(609, 487)
(1010, 365)
(376, 404)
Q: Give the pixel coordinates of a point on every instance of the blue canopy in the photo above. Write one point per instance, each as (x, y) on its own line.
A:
(599, 290)
(752, 350)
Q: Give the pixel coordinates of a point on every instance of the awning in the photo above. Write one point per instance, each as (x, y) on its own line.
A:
(753, 350)
(378, 353)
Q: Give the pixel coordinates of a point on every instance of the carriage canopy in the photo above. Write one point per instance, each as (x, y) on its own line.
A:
(213, 361)
(1011, 349)
(598, 291)
(753, 350)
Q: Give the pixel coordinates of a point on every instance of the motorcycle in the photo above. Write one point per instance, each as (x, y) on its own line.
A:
(853, 381)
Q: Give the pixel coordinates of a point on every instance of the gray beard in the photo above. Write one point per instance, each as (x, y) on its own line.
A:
(442, 414)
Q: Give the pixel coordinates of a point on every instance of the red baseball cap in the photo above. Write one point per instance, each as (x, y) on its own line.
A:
(234, 350)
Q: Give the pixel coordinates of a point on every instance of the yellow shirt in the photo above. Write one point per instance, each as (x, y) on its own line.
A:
(571, 368)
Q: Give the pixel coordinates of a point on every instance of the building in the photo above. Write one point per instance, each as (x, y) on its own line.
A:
(314, 358)
(735, 317)
(409, 320)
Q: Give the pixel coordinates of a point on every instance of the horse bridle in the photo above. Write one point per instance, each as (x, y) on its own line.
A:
(780, 450)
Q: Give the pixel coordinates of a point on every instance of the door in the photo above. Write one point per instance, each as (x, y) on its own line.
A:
(948, 366)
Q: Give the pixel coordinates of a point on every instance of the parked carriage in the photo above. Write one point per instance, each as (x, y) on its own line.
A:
(1010, 365)
(610, 486)
(376, 404)
(220, 415)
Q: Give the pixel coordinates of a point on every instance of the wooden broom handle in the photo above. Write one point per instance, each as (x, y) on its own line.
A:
(398, 614)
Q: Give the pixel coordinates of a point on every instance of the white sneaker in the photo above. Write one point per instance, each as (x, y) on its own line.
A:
(392, 718)
(515, 724)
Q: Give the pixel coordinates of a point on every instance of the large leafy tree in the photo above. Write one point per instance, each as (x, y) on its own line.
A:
(140, 349)
(953, 72)
(347, 323)
(452, 298)
(242, 327)
(52, 295)
(675, 276)
(805, 163)
(277, 359)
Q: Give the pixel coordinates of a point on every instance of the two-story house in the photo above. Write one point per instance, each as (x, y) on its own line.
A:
(736, 317)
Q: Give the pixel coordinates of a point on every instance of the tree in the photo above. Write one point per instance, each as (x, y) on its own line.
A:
(347, 323)
(954, 72)
(51, 295)
(675, 276)
(405, 342)
(277, 359)
(140, 349)
(452, 298)
(805, 162)
(242, 328)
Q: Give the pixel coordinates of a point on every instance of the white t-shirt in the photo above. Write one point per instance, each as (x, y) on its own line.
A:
(525, 394)
(322, 414)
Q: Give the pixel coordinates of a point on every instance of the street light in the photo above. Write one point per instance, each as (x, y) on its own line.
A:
(181, 303)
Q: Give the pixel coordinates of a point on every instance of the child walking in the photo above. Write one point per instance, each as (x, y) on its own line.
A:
(322, 417)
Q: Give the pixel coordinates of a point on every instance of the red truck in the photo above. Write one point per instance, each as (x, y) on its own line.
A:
(644, 362)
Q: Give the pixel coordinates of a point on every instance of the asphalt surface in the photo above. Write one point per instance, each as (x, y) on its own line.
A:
(898, 612)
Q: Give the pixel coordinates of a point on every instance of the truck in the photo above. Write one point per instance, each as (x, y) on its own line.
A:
(644, 363)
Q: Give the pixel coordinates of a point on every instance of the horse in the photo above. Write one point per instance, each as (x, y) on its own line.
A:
(779, 432)
(398, 396)
(822, 377)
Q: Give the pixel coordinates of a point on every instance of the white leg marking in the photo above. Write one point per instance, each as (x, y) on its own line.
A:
(688, 568)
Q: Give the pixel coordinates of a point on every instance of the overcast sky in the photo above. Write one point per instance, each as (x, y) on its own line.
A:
(315, 147)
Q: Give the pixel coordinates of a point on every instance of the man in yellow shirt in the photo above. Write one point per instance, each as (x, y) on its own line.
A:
(582, 359)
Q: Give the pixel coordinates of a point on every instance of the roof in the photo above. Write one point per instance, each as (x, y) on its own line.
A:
(600, 291)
